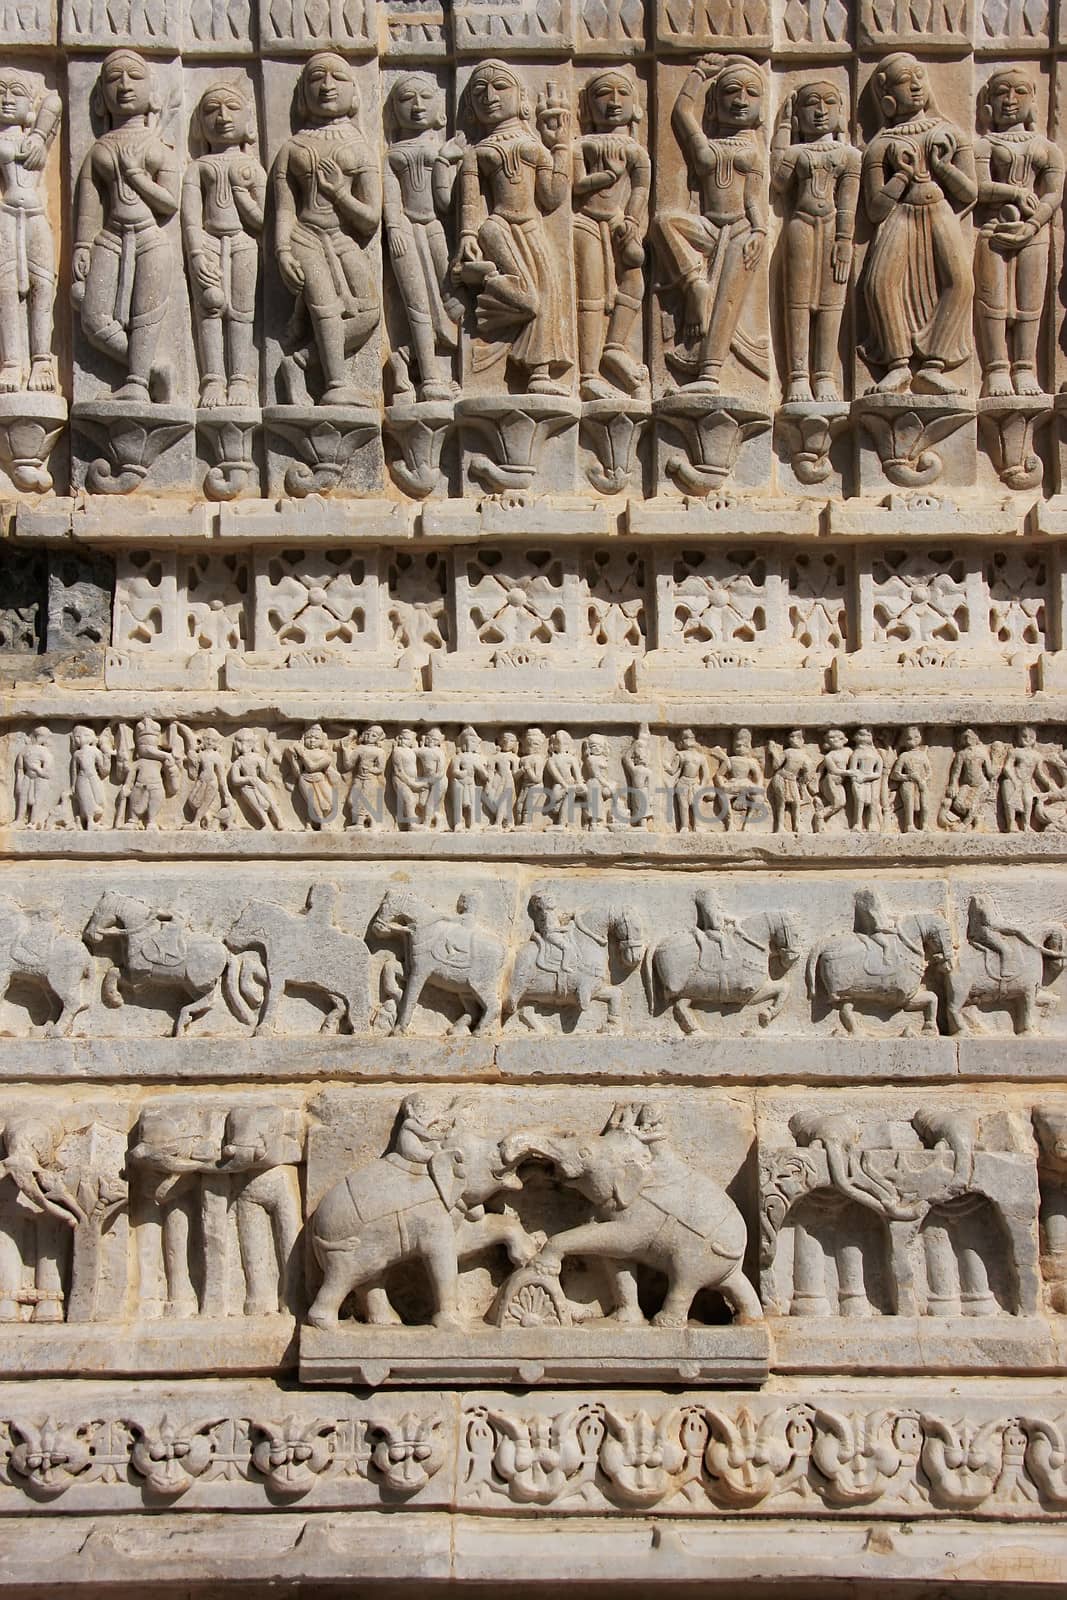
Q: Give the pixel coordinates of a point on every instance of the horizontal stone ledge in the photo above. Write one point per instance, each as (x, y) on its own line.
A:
(589, 1057)
(600, 1353)
(76, 701)
(899, 1345)
(197, 1347)
(602, 846)
(439, 1549)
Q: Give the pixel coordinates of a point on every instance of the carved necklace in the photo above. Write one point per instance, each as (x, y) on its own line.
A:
(723, 154)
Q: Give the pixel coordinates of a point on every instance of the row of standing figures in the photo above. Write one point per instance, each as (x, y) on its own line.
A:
(572, 962)
(503, 175)
(533, 781)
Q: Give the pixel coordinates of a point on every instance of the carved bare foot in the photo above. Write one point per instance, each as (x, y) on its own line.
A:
(931, 380)
(896, 381)
(799, 389)
(341, 394)
(10, 377)
(213, 393)
(597, 389)
(132, 389)
(43, 378)
(619, 367)
(439, 389)
(826, 388)
(242, 392)
(1024, 378)
(996, 385)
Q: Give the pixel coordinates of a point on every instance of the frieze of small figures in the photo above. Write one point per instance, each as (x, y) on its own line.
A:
(151, 775)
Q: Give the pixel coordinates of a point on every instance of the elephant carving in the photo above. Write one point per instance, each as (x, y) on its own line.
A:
(424, 1200)
(651, 1208)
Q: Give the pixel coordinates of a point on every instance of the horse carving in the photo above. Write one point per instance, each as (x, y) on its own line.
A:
(567, 961)
(156, 950)
(443, 950)
(297, 951)
(884, 962)
(35, 949)
(728, 964)
(1006, 968)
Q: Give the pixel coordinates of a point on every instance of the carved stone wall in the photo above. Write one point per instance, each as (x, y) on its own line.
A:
(533, 797)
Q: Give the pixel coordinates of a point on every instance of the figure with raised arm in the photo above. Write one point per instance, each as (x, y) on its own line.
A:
(816, 172)
(512, 176)
(710, 258)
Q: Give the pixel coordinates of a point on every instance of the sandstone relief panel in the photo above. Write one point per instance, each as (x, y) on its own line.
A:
(533, 789)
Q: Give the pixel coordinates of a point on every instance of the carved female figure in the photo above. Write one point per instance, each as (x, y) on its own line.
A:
(127, 190)
(917, 281)
(222, 219)
(817, 173)
(467, 774)
(1020, 188)
(711, 258)
(328, 203)
(612, 178)
(511, 177)
(29, 122)
(420, 174)
(498, 800)
(911, 775)
(969, 778)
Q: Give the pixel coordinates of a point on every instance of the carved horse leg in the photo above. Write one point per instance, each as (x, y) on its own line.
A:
(685, 1016)
(194, 1009)
(770, 996)
(924, 1000)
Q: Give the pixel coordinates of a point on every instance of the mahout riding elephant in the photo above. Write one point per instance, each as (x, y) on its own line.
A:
(33, 947)
(723, 962)
(566, 963)
(425, 1199)
(443, 950)
(650, 1208)
(157, 950)
(301, 950)
(883, 962)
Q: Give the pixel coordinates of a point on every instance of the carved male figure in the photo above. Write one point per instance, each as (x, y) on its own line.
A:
(222, 218)
(865, 769)
(366, 760)
(314, 776)
(918, 173)
(35, 768)
(251, 775)
(408, 786)
(511, 178)
(1019, 791)
(612, 178)
(565, 788)
(328, 204)
(208, 801)
(739, 779)
(148, 775)
(29, 123)
(831, 795)
(420, 174)
(910, 775)
(711, 258)
(90, 765)
(689, 774)
(499, 796)
(637, 769)
(817, 173)
(969, 778)
(792, 781)
(467, 774)
(122, 263)
(1020, 189)
(531, 777)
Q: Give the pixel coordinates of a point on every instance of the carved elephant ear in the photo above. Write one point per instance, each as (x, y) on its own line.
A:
(448, 1173)
(628, 1183)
